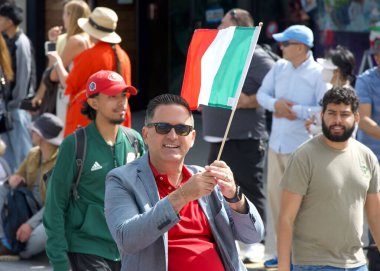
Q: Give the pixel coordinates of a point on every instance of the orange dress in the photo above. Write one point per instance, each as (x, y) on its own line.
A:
(99, 57)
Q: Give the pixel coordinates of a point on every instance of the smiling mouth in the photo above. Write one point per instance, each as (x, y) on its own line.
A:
(337, 128)
(170, 146)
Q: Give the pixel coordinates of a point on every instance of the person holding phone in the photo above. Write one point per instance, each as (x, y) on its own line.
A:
(106, 54)
(67, 45)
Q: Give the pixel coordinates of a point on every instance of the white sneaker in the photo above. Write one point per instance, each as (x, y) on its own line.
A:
(254, 253)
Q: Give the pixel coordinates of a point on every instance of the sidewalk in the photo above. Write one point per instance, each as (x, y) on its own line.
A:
(197, 155)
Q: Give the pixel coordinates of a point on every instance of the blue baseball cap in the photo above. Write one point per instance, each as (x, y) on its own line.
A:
(299, 33)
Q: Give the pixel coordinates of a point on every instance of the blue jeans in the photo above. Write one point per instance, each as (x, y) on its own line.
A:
(18, 140)
(326, 268)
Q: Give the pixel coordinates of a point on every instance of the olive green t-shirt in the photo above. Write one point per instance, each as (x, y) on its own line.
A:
(334, 185)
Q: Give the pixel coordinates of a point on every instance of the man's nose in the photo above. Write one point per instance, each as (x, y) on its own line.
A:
(172, 134)
(122, 100)
(338, 119)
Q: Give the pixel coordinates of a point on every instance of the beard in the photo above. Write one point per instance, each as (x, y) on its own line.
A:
(347, 133)
(117, 121)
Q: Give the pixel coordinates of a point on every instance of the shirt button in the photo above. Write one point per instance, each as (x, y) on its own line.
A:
(161, 178)
(169, 188)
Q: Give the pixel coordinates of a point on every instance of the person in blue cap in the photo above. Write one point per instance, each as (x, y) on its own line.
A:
(291, 90)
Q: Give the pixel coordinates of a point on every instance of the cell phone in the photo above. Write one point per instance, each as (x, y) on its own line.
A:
(50, 47)
(26, 104)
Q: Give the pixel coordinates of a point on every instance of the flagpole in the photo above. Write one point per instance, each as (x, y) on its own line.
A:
(234, 108)
(225, 134)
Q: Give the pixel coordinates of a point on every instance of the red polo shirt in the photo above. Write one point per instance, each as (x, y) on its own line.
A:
(191, 243)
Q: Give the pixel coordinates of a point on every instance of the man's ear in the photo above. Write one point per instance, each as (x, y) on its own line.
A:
(93, 103)
(144, 134)
(194, 134)
(357, 117)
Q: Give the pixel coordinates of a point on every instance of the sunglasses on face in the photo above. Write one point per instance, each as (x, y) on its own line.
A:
(288, 43)
(164, 128)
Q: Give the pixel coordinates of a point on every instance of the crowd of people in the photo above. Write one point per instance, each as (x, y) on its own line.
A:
(111, 198)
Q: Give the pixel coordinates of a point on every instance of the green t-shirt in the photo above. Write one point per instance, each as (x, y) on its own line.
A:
(334, 185)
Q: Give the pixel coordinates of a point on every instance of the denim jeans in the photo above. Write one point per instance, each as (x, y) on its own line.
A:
(18, 140)
(326, 268)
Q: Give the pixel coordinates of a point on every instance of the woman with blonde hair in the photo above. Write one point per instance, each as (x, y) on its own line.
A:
(68, 46)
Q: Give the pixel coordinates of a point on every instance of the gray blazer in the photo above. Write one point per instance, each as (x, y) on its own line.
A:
(139, 220)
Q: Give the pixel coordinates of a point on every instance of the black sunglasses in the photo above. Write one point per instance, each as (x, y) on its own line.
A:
(164, 128)
(287, 43)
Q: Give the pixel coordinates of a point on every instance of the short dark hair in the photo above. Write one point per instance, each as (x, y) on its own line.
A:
(87, 110)
(164, 99)
(341, 94)
(241, 17)
(12, 11)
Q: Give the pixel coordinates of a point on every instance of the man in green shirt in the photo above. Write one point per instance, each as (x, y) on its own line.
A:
(330, 182)
(76, 227)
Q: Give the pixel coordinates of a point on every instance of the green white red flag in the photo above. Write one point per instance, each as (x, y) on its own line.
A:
(217, 64)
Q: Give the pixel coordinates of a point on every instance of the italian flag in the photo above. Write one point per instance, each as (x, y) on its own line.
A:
(217, 64)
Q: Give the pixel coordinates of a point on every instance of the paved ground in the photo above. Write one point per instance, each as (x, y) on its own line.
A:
(198, 155)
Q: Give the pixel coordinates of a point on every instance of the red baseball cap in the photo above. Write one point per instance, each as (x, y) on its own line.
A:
(107, 82)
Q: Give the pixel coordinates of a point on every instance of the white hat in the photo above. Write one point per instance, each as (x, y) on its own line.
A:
(101, 24)
(327, 63)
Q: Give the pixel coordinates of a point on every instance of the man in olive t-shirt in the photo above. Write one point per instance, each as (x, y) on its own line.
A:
(328, 184)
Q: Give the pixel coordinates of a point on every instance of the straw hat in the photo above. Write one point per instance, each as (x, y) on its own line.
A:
(101, 25)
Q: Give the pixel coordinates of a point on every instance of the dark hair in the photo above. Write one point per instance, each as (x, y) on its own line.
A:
(241, 17)
(87, 110)
(12, 11)
(164, 99)
(345, 61)
(342, 94)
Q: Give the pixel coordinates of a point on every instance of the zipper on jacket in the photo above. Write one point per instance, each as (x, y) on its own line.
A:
(115, 165)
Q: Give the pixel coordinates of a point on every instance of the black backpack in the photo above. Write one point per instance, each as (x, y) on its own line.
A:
(19, 206)
(80, 156)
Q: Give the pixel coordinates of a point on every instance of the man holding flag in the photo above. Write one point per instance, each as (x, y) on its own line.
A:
(167, 216)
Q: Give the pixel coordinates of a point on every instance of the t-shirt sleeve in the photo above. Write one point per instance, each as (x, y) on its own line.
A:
(374, 185)
(362, 91)
(260, 65)
(296, 177)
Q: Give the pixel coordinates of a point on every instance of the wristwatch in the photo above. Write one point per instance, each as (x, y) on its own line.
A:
(238, 196)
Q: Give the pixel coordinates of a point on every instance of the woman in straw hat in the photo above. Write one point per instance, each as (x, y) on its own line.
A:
(105, 55)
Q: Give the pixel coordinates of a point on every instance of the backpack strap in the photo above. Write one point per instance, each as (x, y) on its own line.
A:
(132, 140)
(33, 204)
(80, 152)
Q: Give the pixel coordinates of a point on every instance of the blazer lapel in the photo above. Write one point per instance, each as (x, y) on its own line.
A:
(145, 176)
